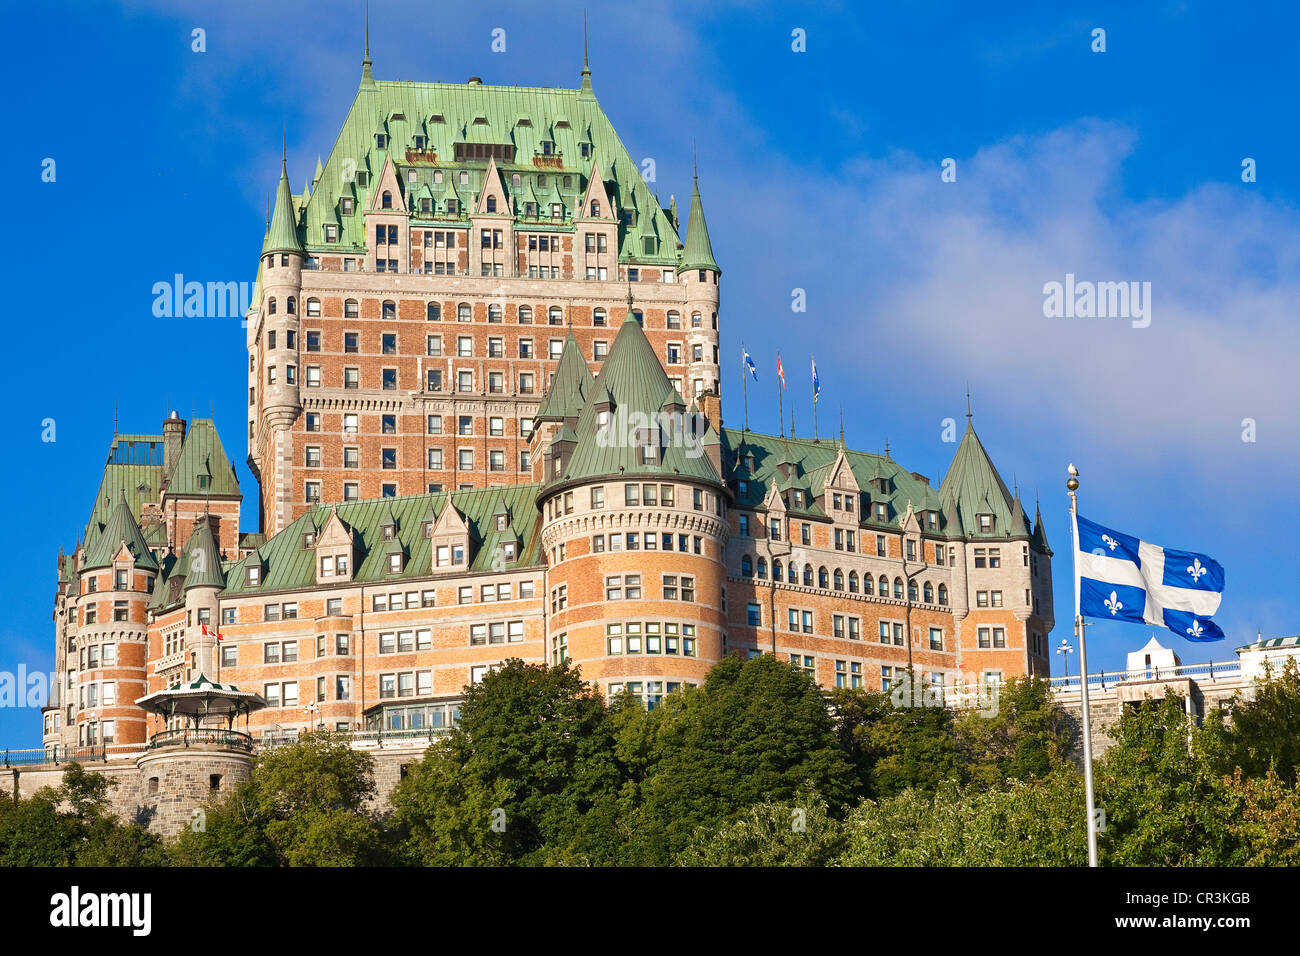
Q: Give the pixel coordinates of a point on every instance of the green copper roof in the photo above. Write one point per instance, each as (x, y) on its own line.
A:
(698, 253)
(639, 388)
(537, 133)
(203, 559)
(810, 463)
(570, 385)
(120, 528)
(974, 486)
(284, 220)
(202, 457)
(288, 565)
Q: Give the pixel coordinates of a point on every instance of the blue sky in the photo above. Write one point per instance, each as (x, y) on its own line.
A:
(820, 170)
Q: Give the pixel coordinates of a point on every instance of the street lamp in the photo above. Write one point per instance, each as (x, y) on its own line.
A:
(1065, 650)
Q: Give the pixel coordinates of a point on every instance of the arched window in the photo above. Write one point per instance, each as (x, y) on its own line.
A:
(555, 316)
(463, 313)
(492, 204)
(525, 315)
(762, 569)
(746, 567)
(313, 307)
(390, 309)
(388, 200)
(433, 311)
(807, 576)
(271, 305)
(928, 591)
(839, 580)
(911, 590)
(853, 582)
(884, 586)
(291, 306)
(494, 313)
(350, 309)
(776, 570)
(868, 584)
(823, 579)
(943, 594)
(595, 207)
(898, 589)
(598, 318)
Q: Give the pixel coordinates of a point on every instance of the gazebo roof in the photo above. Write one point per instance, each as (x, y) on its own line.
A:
(201, 698)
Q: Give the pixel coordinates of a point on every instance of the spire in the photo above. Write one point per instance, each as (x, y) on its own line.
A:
(1039, 539)
(585, 91)
(570, 386)
(204, 560)
(698, 251)
(319, 170)
(121, 528)
(629, 317)
(968, 414)
(367, 78)
(283, 236)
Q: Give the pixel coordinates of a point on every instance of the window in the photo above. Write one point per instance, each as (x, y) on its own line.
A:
(936, 639)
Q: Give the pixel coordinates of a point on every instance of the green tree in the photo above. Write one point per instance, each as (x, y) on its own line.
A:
(1261, 733)
(793, 833)
(1028, 736)
(1036, 822)
(306, 804)
(756, 730)
(1165, 802)
(520, 779)
(1266, 818)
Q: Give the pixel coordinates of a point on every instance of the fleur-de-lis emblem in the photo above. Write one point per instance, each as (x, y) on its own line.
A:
(1196, 630)
(1110, 542)
(1196, 570)
(1113, 604)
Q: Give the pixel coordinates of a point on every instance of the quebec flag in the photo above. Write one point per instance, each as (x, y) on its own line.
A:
(1124, 579)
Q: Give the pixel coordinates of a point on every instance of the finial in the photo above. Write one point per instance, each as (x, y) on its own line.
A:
(886, 447)
(367, 59)
(968, 403)
(792, 419)
(695, 163)
(568, 314)
(841, 426)
(629, 295)
(585, 68)
(268, 212)
(284, 148)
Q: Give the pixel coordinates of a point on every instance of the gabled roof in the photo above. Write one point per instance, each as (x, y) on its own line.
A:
(810, 462)
(570, 386)
(288, 565)
(120, 528)
(639, 388)
(974, 486)
(202, 454)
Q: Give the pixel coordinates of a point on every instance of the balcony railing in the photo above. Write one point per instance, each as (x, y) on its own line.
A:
(1212, 671)
(57, 754)
(202, 737)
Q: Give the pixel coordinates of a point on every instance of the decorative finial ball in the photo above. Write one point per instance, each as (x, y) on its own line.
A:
(1073, 484)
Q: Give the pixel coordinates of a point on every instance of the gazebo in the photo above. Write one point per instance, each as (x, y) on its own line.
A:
(198, 701)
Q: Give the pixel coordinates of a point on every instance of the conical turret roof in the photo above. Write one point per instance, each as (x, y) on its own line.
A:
(698, 250)
(284, 220)
(570, 387)
(120, 527)
(204, 559)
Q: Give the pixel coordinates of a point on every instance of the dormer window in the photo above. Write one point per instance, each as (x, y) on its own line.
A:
(419, 143)
(492, 204)
(882, 511)
(453, 207)
(309, 540)
(584, 150)
(428, 529)
(394, 563)
(501, 522)
(548, 147)
(595, 207)
(381, 141)
(742, 487)
(985, 523)
(464, 177)
(387, 201)
(254, 575)
(508, 551)
(389, 532)
(798, 498)
(204, 481)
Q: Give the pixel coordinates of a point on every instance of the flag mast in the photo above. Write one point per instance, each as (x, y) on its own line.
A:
(1079, 626)
(780, 398)
(744, 380)
(816, 387)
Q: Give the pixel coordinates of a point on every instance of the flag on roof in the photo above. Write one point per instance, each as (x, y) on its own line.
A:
(748, 362)
(780, 369)
(817, 383)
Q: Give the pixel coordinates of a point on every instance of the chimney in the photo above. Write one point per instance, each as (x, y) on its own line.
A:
(710, 405)
(173, 437)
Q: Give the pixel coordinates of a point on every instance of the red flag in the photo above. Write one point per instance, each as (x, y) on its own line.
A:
(780, 369)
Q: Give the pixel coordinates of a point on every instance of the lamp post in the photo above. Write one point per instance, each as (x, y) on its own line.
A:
(1065, 650)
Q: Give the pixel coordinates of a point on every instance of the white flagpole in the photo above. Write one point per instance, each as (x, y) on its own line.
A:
(1079, 626)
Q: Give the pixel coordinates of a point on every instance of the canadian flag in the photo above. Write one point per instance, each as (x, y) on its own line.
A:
(213, 633)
